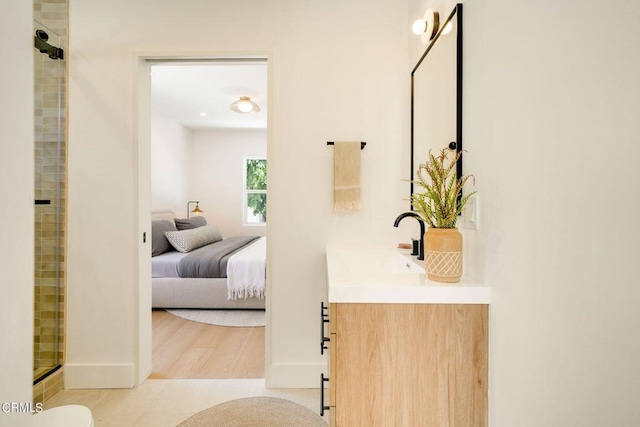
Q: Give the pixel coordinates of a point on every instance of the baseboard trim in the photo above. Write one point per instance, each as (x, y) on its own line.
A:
(99, 376)
(294, 375)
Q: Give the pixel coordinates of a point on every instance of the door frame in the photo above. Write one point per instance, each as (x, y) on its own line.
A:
(142, 197)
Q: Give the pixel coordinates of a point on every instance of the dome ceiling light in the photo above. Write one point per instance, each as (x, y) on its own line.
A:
(245, 105)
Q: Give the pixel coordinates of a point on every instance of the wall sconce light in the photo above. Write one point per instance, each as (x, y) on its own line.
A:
(196, 210)
(245, 105)
(427, 27)
(447, 28)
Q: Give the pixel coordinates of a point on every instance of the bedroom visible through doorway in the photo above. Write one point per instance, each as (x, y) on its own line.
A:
(208, 149)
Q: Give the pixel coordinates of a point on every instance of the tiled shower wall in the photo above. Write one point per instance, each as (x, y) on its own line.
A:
(50, 173)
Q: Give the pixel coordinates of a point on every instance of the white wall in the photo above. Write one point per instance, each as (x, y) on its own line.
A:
(217, 176)
(338, 72)
(551, 124)
(204, 165)
(171, 161)
(16, 208)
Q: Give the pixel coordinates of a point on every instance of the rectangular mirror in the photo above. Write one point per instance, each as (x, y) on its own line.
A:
(436, 95)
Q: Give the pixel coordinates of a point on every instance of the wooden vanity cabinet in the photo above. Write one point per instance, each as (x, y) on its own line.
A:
(413, 365)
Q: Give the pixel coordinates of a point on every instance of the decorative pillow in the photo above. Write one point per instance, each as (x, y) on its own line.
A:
(159, 242)
(189, 223)
(188, 240)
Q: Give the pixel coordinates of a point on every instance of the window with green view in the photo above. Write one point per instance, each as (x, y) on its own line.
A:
(255, 190)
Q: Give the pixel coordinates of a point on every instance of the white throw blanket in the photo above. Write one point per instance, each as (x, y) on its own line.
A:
(246, 271)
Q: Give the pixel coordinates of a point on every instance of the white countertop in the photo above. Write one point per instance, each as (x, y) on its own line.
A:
(381, 274)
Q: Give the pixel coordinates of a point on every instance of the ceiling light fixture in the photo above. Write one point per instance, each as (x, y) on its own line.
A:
(245, 105)
(428, 26)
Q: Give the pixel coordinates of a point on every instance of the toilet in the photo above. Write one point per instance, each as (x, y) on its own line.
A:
(64, 416)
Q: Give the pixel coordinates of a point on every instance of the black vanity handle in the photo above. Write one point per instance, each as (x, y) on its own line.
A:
(324, 318)
(323, 407)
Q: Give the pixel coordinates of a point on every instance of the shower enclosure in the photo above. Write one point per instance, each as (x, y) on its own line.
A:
(49, 221)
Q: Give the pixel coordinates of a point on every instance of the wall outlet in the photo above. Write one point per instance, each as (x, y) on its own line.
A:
(471, 214)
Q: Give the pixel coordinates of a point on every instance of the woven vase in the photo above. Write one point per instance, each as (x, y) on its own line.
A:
(443, 254)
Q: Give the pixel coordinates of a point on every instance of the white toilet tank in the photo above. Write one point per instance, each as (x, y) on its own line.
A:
(63, 416)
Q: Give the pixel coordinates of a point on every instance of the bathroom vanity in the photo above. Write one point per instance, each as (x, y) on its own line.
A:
(403, 351)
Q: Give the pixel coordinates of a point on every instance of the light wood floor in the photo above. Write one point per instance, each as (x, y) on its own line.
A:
(185, 349)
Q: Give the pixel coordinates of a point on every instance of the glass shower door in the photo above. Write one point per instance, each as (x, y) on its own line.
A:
(49, 200)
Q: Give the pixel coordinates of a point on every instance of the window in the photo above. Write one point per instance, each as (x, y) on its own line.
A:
(255, 190)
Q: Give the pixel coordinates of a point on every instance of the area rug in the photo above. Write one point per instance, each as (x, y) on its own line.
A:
(237, 318)
(256, 412)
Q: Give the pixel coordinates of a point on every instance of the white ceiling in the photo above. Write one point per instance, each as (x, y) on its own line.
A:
(182, 91)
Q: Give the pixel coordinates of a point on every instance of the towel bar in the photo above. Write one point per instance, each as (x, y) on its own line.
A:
(362, 144)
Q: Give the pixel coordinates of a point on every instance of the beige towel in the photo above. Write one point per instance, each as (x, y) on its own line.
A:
(346, 176)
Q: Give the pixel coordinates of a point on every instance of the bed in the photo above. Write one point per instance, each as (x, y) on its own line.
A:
(190, 261)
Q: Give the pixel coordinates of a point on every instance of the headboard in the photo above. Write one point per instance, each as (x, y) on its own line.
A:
(159, 215)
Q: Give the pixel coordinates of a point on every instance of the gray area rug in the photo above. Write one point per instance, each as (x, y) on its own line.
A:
(257, 412)
(237, 318)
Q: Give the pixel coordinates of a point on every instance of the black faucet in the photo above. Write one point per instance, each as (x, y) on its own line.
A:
(421, 222)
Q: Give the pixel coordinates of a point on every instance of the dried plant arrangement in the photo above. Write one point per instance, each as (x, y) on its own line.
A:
(441, 201)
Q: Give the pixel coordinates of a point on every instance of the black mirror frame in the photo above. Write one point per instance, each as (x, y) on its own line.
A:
(457, 145)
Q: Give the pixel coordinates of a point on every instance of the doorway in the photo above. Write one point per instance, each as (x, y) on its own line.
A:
(199, 149)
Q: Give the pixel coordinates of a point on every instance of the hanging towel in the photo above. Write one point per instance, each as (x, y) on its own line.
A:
(346, 176)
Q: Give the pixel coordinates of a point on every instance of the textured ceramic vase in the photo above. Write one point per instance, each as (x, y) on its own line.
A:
(443, 254)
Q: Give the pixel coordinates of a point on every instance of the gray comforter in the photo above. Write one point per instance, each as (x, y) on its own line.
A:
(211, 260)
